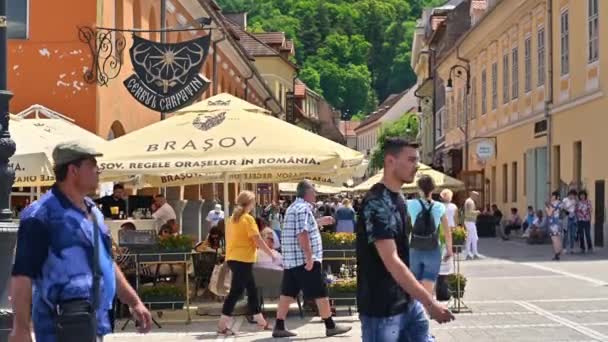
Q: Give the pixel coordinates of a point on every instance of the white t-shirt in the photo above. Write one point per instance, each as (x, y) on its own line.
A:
(164, 214)
(450, 213)
(214, 217)
(569, 205)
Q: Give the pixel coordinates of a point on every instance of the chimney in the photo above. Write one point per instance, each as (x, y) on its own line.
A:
(477, 10)
(239, 18)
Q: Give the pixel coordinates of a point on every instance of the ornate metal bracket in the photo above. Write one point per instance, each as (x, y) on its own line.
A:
(106, 50)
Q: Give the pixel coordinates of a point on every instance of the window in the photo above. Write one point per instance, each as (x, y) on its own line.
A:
(557, 167)
(505, 78)
(514, 182)
(565, 44)
(493, 185)
(505, 183)
(439, 122)
(515, 73)
(578, 163)
(484, 92)
(473, 101)
(528, 64)
(525, 171)
(18, 19)
(593, 25)
(541, 57)
(494, 85)
(461, 108)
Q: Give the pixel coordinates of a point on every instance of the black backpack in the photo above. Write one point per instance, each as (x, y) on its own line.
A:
(424, 232)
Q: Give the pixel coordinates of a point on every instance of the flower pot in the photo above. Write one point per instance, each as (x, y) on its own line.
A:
(457, 294)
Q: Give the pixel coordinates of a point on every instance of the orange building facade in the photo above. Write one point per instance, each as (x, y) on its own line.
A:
(49, 65)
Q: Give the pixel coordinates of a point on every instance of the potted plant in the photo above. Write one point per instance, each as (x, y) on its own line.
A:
(163, 296)
(456, 284)
(459, 237)
(338, 240)
(343, 288)
(175, 244)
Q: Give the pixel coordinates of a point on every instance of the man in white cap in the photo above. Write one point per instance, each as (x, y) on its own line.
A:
(215, 216)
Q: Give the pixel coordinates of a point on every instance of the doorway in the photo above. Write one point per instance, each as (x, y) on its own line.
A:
(600, 213)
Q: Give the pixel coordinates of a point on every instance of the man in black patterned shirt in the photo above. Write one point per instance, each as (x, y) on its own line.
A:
(390, 299)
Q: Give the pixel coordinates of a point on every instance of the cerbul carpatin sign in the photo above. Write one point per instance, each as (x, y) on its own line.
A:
(167, 75)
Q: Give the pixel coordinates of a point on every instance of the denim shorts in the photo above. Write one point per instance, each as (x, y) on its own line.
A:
(410, 326)
(425, 264)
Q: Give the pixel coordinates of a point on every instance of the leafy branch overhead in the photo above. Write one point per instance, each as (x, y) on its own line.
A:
(354, 52)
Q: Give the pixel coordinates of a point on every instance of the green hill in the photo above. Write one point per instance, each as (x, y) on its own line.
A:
(354, 52)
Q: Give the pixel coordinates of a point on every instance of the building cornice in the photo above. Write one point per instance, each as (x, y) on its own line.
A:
(505, 14)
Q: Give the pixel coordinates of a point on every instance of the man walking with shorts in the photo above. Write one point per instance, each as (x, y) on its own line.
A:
(391, 302)
(302, 257)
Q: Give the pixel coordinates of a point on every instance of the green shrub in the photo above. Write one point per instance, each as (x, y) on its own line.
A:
(182, 243)
(459, 236)
(453, 284)
(162, 292)
(338, 240)
(344, 285)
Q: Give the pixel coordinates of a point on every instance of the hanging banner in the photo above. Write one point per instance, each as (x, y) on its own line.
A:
(167, 75)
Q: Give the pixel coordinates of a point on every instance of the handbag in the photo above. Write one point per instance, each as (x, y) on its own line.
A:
(76, 320)
(220, 280)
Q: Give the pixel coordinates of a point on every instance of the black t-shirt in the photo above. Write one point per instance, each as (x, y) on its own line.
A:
(109, 201)
(383, 215)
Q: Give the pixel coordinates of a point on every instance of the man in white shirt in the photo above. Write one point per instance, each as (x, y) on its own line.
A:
(214, 216)
(164, 212)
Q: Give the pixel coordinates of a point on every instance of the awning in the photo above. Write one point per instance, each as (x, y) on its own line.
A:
(442, 181)
(225, 138)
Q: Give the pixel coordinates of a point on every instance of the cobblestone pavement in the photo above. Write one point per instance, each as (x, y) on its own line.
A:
(515, 293)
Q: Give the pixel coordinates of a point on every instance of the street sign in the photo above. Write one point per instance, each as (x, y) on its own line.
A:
(485, 150)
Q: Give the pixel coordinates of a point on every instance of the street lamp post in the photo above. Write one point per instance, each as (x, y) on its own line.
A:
(459, 72)
(8, 228)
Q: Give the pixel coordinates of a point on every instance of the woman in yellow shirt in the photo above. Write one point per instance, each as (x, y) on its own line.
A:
(242, 241)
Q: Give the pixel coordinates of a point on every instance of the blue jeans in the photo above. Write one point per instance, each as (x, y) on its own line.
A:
(570, 233)
(425, 264)
(410, 326)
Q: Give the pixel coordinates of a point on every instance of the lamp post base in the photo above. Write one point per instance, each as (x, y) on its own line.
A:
(8, 239)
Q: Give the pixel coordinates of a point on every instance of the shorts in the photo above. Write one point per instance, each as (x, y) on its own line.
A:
(425, 264)
(311, 283)
(555, 230)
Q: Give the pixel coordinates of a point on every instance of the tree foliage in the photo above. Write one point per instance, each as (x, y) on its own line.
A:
(354, 52)
(407, 126)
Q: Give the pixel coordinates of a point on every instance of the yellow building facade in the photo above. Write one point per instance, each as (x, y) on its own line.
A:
(538, 73)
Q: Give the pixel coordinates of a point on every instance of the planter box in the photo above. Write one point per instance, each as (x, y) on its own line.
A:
(458, 248)
(176, 257)
(166, 306)
(457, 294)
(343, 297)
(164, 303)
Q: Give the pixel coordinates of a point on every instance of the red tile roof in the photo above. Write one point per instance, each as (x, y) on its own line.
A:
(347, 128)
(384, 107)
(271, 38)
(300, 89)
(250, 42)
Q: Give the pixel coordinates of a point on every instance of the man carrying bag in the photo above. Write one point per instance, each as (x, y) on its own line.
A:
(64, 255)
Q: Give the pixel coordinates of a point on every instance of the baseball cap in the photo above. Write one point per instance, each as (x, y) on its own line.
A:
(67, 152)
(218, 207)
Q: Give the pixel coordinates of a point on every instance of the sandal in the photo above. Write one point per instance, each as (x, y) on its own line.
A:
(225, 332)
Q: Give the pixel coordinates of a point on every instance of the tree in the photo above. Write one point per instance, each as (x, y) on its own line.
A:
(407, 126)
(334, 39)
(312, 78)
